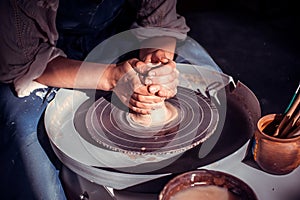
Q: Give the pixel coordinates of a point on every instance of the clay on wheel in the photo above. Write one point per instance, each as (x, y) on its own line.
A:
(158, 117)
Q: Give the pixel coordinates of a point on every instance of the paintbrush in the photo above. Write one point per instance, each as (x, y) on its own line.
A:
(288, 112)
(291, 125)
(296, 131)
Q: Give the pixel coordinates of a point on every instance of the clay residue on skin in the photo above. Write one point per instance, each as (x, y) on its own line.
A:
(158, 117)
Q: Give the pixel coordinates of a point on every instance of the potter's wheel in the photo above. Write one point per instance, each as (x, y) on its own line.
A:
(82, 151)
(197, 119)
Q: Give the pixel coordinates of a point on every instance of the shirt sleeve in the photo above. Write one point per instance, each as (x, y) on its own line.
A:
(159, 18)
(27, 35)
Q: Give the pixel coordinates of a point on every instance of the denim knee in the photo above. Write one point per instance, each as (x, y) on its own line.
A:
(191, 52)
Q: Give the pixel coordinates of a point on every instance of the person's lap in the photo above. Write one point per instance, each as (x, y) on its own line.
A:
(26, 171)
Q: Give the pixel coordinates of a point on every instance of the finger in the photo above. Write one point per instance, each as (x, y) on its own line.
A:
(143, 90)
(129, 82)
(139, 110)
(147, 59)
(153, 89)
(163, 59)
(163, 79)
(160, 56)
(133, 62)
(164, 56)
(142, 67)
(138, 66)
(168, 90)
(134, 106)
(162, 70)
(166, 93)
(147, 99)
(145, 106)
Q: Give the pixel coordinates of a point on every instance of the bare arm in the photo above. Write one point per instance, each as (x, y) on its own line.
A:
(67, 73)
(161, 49)
(122, 78)
(166, 44)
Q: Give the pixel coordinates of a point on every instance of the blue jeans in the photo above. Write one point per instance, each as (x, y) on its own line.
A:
(191, 52)
(29, 170)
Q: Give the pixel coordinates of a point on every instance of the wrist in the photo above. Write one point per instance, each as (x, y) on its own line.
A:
(108, 80)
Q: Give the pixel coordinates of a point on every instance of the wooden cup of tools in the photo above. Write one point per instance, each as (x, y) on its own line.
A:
(277, 151)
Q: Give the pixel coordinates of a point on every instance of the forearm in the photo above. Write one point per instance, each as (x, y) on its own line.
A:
(168, 44)
(67, 73)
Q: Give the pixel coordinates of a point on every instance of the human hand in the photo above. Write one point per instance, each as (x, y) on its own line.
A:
(130, 89)
(150, 55)
(162, 80)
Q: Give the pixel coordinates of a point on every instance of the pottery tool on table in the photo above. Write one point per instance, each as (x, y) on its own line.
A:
(290, 118)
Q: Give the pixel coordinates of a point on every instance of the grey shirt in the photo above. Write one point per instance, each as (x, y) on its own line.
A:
(28, 36)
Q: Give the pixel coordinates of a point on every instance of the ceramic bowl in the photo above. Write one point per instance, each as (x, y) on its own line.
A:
(206, 184)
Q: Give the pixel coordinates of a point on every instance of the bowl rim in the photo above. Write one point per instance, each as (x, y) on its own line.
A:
(172, 186)
(267, 119)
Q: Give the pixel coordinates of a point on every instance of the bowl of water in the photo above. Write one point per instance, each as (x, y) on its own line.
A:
(206, 185)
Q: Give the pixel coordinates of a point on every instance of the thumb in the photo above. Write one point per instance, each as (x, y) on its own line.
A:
(142, 67)
(153, 89)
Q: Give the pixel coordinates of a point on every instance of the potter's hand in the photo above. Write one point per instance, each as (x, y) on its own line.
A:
(149, 55)
(131, 91)
(163, 80)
